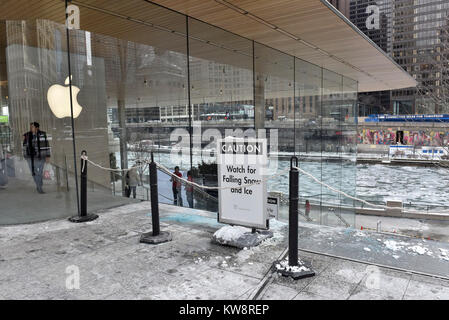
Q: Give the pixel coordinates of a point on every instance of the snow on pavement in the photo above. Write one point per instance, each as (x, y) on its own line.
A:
(231, 233)
(416, 249)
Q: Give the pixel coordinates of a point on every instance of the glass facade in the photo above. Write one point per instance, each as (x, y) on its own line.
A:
(154, 80)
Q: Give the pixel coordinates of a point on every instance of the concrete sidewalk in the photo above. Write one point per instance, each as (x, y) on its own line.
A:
(37, 259)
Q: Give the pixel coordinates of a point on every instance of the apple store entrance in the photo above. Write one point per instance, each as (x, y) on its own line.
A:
(36, 146)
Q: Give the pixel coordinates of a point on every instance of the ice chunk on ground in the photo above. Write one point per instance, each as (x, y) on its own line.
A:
(231, 233)
(444, 254)
(367, 249)
(419, 249)
(283, 265)
(240, 237)
(393, 245)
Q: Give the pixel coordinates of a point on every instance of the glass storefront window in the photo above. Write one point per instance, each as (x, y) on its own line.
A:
(147, 79)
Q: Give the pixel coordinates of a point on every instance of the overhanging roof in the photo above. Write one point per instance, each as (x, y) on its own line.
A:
(309, 29)
(312, 30)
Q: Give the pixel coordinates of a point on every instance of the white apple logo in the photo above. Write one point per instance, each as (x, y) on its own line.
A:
(58, 98)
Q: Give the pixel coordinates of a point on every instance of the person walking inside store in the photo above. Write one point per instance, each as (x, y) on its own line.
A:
(3, 169)
(133, 179)
(189, 189)
(176, 187)
(307, 207)
(36, 150)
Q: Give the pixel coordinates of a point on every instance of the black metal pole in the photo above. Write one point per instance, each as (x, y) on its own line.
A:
(154, 197)
(83, 216)
(294, 106)
(83, 195)
(156, 236)
(293, 214)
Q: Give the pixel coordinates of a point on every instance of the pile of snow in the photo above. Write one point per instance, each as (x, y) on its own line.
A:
(277, 225)
(397, 246)
(230, 233)
(444, 254)
(240, 237)
(419, 250)
(393, 245)
(283, 265)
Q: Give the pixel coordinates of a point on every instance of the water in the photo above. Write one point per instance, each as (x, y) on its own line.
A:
(421, 187)
(418, 187)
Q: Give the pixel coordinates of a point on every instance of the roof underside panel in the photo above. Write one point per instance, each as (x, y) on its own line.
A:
(344, 49)
(307, 29)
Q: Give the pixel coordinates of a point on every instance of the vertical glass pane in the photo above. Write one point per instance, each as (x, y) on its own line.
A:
(221, 91)
(274, 92)
(132, 71)
(333, 115)
(349, 135)
(308, 135)
(36, 161)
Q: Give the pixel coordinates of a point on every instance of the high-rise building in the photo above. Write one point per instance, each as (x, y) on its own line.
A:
(420, 46)
(341, 5)
(415, 34)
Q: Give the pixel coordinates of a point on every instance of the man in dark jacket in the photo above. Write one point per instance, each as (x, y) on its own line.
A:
(37, 151)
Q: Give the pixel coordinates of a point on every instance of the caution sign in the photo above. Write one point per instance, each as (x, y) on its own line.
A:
(242, 196)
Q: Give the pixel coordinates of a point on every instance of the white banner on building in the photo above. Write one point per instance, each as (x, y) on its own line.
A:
(242, 161)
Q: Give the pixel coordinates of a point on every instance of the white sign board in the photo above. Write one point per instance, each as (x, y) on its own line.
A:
(273, 207)
(242, 161)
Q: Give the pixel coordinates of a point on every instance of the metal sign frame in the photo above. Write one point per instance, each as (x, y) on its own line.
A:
(239, 208)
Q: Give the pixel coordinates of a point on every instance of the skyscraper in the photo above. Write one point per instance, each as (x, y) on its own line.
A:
(415, 33)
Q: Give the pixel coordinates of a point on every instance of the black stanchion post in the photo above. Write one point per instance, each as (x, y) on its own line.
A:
(83, 206)
(83, 216)
(293, 267)
(293, 214)
(154, 197)
(156, 236)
